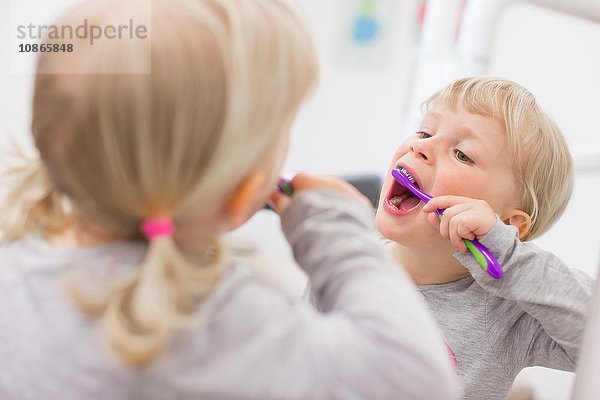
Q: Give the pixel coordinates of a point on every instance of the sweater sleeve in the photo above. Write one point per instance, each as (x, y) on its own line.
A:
(374, 336)
(536, 313)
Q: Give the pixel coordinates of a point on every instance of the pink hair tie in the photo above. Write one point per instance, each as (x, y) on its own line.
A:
(156, 227)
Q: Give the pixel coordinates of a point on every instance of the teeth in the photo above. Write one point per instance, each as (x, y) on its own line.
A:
(397, 200)
(408, 174)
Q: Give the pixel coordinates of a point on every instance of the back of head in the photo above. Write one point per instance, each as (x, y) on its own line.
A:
(226, 77)
(540, 155)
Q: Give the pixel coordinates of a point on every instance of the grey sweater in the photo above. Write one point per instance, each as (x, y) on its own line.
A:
(534, 316)
(374, 338)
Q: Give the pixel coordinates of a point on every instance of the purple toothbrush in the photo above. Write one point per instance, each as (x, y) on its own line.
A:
(488, 262)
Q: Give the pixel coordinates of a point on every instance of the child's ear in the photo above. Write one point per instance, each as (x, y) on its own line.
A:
(518, 218)
(241, 204)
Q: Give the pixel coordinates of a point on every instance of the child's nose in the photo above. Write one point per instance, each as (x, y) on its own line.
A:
(422, 151)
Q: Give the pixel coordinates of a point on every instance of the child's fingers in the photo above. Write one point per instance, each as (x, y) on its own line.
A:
(443, 202)
(307, 182)
(302, 182)
(463, 218)
(458, 231)
(434, 220)
(465, 230)
(449, 215)
(278, 201)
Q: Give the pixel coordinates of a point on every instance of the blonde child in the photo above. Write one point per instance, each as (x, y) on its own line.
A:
(113, 281)
(502, 171)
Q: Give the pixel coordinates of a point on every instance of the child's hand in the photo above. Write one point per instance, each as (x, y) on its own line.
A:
(464, 218)
(279, 201)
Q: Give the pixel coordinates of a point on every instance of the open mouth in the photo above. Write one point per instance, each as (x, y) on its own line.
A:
(400, 200)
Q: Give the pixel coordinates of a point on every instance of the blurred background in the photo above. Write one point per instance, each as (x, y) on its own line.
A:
(379, 60)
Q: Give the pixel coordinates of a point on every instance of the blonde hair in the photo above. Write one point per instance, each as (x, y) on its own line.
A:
(227, 76)
(541, 159)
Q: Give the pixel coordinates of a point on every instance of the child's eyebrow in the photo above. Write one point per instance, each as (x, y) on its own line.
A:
(475, 139)
(432, 115)
(465, 131)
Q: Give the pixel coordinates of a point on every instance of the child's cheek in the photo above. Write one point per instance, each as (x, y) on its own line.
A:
(455, 184)
(401, 151)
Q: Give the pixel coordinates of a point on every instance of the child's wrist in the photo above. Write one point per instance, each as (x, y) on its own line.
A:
(498, 231)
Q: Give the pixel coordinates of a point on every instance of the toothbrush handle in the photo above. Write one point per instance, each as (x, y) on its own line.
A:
(483, 256)
(285, 186)
(488, 262)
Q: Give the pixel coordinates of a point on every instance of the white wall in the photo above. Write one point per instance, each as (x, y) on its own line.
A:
(357, 111)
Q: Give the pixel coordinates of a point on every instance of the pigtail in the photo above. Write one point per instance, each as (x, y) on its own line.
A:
(146, 310)
(31, 202)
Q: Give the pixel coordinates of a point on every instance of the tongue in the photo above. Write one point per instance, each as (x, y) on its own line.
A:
(409, 203)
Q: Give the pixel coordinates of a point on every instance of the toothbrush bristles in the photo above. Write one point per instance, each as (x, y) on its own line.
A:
(408, 175)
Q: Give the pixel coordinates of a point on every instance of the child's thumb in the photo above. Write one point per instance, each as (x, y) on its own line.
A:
(278, 201)
(433, 220)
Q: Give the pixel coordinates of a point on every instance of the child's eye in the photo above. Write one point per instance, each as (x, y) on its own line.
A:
(462, 157)
(423, 135)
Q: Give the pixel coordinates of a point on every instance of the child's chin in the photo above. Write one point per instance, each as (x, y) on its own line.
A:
(414, 235)
(390, 231)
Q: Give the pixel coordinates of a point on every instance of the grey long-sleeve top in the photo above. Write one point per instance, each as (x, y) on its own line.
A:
(373, 340)
(534, 316)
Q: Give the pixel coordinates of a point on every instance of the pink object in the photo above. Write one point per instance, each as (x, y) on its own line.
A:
(156, 227)
(452, 356)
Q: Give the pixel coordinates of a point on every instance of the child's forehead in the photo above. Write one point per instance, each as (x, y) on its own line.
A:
(481, 131)
(463, 117)
(444, 107)
(482, 105)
